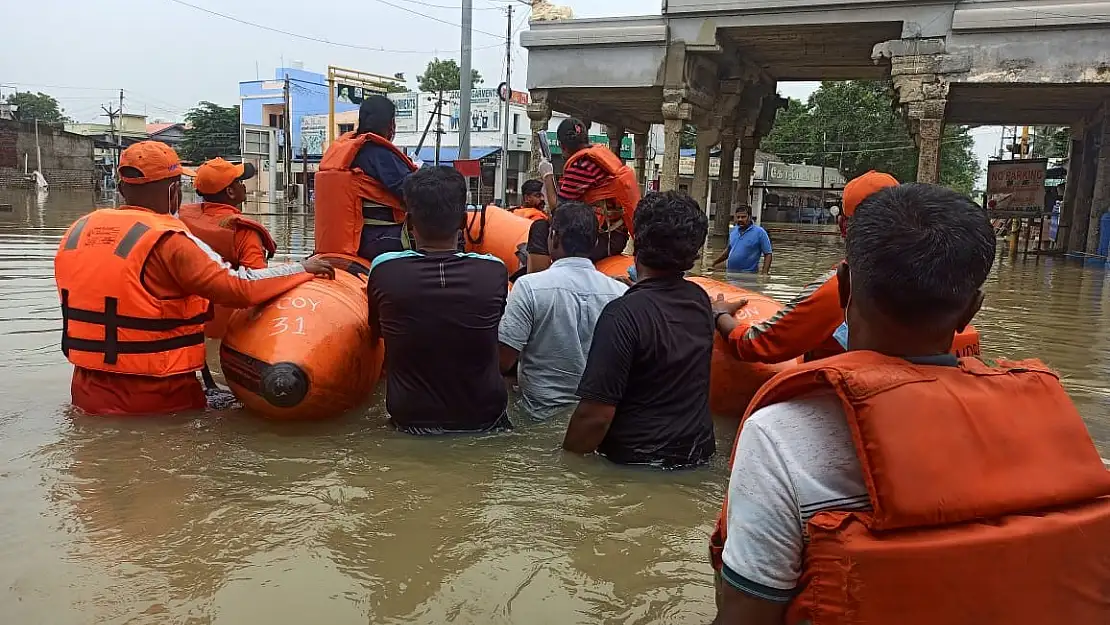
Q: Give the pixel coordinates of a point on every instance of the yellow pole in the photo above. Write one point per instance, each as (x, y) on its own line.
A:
(1025, 141)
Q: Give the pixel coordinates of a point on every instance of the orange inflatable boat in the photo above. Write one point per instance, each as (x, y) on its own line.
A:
(495, 231)
(307, 354)
(732, 382)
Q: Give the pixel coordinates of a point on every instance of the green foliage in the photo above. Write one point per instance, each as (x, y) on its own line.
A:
(444, 76)
(392, 87)
(211, 130)
(38, 106)
(1051, 142)
(689, 136)
(852, 125)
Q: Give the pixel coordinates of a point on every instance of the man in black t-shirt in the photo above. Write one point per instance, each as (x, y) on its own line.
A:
(644, 396)
(438, 310)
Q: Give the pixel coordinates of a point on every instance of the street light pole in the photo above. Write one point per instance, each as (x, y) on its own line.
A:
(465, 79)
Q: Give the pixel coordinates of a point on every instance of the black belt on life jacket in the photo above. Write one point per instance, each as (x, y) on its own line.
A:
(112, 321)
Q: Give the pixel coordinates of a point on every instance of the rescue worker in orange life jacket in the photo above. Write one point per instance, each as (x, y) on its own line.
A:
(360, 207)
(807, 325)
(240, 241)
(944, 482)
(532, 201)
(217, 221)
(135, 288)
(592, 174)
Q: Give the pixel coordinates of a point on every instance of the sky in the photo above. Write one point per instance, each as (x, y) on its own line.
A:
(169, 54)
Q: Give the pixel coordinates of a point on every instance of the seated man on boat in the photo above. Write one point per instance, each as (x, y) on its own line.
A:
(594, 175)
(807, 324)
(135, 287)
(550, 317)
(896, 483)
(644, 395)
(532, 201)
(359, 205)
(438, 310)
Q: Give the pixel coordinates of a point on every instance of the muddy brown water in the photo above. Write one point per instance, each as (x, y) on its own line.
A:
(225, 518)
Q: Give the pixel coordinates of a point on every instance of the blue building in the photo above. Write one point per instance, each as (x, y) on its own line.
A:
(262, 102)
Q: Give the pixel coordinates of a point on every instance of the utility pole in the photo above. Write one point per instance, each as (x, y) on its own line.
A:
(119, 135)
(439, 128)
(287, 151)
(111, 115)
(508, 104)
(465, 79)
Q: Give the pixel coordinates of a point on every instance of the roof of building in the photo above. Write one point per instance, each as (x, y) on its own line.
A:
(153, 129)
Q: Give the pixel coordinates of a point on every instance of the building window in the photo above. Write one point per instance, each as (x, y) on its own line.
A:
(255, 142)
(516, 123)
(345, 128)
(277, 121)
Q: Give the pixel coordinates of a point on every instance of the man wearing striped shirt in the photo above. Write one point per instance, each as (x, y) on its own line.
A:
(579, 177)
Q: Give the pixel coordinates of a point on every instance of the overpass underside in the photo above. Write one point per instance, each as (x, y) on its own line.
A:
(716, 64)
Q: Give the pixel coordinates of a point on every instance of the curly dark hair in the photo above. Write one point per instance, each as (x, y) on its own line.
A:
(670, 230)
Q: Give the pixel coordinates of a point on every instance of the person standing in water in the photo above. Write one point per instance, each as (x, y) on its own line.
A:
(135, 289)
(985, 476)
(593, 175)
(438, 310)
(644, 395)
(747, 242)
(550, 317)
(360, 209)
(532, 203)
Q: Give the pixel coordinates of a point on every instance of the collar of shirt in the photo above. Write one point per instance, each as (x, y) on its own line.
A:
(574, 262)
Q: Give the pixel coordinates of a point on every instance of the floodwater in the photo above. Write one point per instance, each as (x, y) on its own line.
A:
(225, 518)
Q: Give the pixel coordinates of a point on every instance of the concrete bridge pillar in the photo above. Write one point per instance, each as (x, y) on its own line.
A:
(725, 181)
(699, 190)
(919, 70)
(676, 113)
(1086, 162)
(640, 152)
(748, 146)
(539, 116)
(1100, 197)
(1071, 187)
(616, 136)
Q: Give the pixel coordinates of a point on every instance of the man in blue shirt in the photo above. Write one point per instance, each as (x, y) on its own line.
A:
(746, 243)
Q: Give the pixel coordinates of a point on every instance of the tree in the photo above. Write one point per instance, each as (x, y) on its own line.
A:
(444, 76)
(211, 130)
(38, 106)
(1051, 142)
(852, 126)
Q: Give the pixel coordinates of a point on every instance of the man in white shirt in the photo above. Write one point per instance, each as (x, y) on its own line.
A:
(550, 316)
(917, 256)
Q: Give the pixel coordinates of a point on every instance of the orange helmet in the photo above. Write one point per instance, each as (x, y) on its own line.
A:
(859, 188)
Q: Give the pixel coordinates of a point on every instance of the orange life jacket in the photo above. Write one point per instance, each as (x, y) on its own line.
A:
(110, 322)
(620, 187)
(989, 500)
(215, 224)
(341, 189)
(533, 214)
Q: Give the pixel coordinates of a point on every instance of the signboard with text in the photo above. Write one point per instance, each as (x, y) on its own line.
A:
(408, 118)
(1016, 188)
(485, 110)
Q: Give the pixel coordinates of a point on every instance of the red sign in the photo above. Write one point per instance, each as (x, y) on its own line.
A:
(470, 168)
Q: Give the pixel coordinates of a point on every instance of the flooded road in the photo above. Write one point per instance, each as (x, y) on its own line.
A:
(224, 518)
